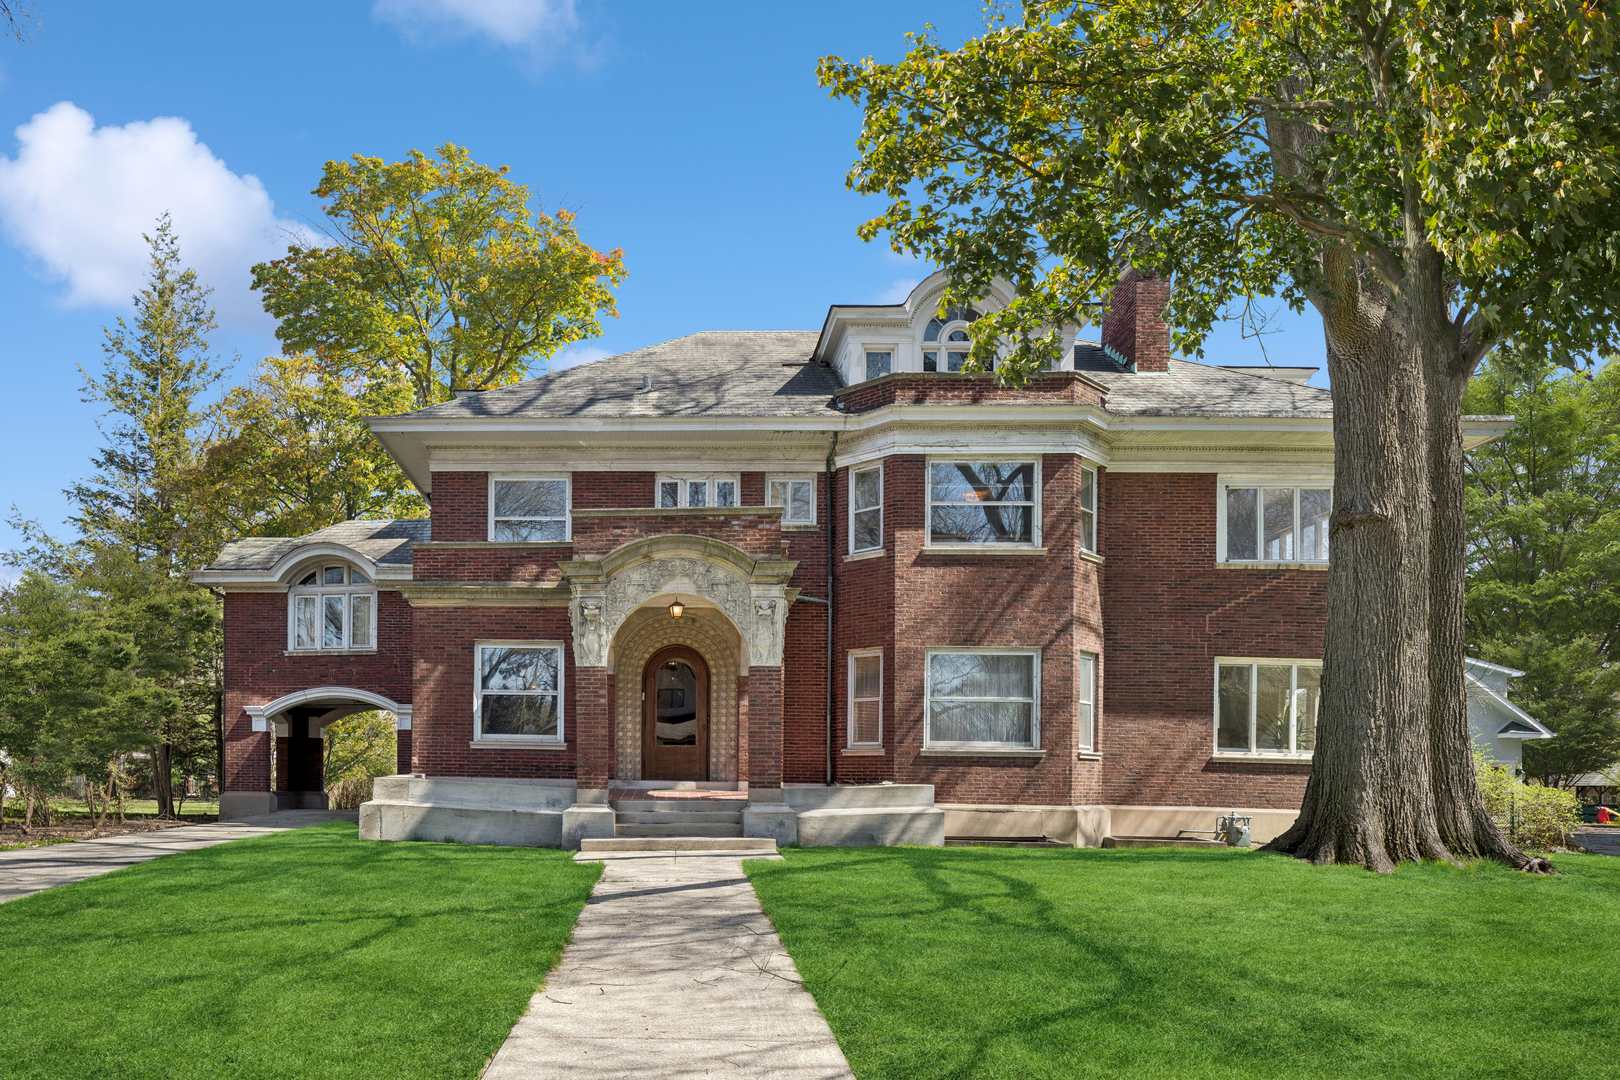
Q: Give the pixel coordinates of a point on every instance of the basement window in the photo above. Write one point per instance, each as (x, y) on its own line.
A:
(1267, 708)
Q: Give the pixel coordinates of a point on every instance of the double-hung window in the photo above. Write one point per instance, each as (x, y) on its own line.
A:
(1267, 707)
(865, 699)
(983, 503)
(518, 692)
(983, 699)
(1275, 523)
(796, 495)
(1085, 701)
(694, 491)
(1088, 509)
(332, 608)
(866, 509)
(528, 508)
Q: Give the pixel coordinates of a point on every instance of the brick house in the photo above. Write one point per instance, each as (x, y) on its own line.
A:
(852, 593)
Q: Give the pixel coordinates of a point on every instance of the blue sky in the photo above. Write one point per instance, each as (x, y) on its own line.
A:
(693, 136)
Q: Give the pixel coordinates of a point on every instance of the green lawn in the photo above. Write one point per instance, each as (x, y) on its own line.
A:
(1038, 963)
(309, 953)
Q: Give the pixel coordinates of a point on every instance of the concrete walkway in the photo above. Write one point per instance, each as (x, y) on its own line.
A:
(1599, 841)
(30, 870)
(673, 972)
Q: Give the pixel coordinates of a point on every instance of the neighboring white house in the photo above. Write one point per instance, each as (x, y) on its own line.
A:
(1498, 726)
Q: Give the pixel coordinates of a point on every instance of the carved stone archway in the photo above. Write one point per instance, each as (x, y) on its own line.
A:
(752, 593)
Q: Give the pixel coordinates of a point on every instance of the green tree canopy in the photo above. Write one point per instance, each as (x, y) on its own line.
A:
(440, 277)
(1544, 554)
(1433, 178)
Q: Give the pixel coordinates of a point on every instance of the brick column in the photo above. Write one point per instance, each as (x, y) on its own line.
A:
(245, 787)
(402, 752)
(764, 751)
(593, 728)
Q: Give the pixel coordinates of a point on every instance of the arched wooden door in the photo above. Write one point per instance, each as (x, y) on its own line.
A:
(675, 716)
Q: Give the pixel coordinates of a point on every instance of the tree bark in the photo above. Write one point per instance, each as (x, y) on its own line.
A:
(1392, 775)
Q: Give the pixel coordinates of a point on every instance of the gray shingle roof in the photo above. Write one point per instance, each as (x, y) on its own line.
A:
(387, 543)
(764, 373)
(713, 373)
(1192, 389)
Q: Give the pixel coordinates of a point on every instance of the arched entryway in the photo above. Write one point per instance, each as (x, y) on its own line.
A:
(301, 725)
(675, 715)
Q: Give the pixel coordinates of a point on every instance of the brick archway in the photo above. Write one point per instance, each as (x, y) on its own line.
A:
(643, 634)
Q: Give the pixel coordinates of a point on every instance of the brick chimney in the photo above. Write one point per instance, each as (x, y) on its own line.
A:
(1135, 323)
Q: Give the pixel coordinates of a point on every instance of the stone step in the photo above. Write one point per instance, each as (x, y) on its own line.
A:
(677, 817)
(752, 844)
(678, 806)
(682, 828)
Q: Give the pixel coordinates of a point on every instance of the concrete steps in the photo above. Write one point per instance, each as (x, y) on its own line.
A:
(695, 818)
(753, 844)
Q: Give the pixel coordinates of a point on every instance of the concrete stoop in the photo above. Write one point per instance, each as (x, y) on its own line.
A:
(548, 813)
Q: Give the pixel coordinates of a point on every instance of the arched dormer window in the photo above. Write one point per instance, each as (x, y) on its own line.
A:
(946, 340)
(332, 608)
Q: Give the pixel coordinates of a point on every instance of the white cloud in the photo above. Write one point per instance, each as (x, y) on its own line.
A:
(512, 23)
(78, 198)
(575, 355)
(898, 290)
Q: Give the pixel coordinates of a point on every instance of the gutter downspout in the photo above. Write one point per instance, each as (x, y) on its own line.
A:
(832, 552)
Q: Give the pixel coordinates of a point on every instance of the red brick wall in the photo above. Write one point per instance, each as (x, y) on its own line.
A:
(863, 619)
(442, 713)
(944, 388)
(259, 669)
(1168, 612)
(764, 727)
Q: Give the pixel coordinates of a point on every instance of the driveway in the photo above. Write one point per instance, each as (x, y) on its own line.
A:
(1603, 841)
(30, 870)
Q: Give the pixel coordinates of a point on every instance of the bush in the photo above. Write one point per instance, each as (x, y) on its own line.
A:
(349, 793)
(1533, 815)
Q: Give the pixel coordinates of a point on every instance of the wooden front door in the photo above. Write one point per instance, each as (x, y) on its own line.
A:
(675, 716)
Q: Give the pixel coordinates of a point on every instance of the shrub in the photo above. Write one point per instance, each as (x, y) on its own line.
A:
(349, 793)
(1535, 816)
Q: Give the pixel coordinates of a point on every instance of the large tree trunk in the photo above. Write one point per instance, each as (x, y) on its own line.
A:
(1392, 775)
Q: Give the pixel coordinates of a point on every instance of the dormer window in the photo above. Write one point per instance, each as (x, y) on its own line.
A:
(332, 608)
(946, 340)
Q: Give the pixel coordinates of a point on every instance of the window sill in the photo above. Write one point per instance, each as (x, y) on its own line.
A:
(1087, 755)
(864, 751)
(875, 553)
(1091, 556)
(1271, 566)
(517, 744)
(799, 526)
(330, 652)
(983, 751)
(1268, 759)
(980, 549)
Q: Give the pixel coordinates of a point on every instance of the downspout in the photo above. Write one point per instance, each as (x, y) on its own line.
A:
(832, 552)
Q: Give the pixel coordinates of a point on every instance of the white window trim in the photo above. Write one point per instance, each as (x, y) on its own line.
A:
(876, 466)
(1089, 543)
(1226, 483)
(940, 346)
(568, 506)
(479, 735)
(1035, 502)
(878, 346)
(1083, 744)
(849, 716)
(683, 496)
(808, 478)
(930, 743)
(1253, 663)
(348, 590)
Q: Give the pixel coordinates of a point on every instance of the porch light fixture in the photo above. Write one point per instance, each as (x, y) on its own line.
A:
(677, 609)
